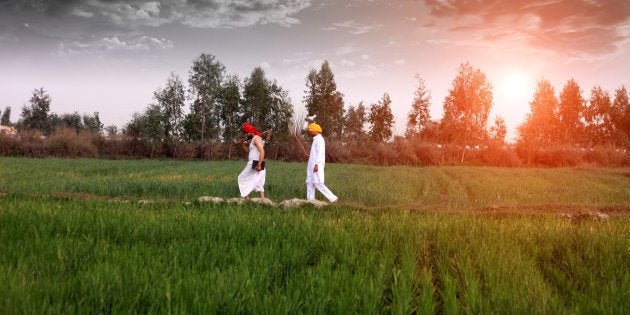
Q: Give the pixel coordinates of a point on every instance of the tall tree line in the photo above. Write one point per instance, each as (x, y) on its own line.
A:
(219, 103)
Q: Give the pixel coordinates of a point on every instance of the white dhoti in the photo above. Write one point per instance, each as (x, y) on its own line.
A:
(315, 180)
(311, 186)
(251, 180)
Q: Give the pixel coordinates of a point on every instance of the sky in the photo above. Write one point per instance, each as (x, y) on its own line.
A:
(110, 56)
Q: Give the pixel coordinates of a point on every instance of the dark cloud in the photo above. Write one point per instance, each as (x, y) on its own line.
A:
(573, 27)
(68, 27)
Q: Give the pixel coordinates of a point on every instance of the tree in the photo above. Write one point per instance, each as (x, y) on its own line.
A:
(35, 116)
(381, 119)
(93, 123)
(570, 113)
(6, 117)
(170, 103)
(231, 109)
(67, 120)
(206, 77)
(621, 117)
(265, 104)
(419, 118)
(498, 131)
(323, 102)
(598, 117)
(467, 107)
(256, 98)
(147, 127)
(354, 122)
(539, 128)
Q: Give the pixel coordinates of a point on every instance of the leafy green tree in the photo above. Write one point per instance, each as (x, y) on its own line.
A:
(281, 113)
(570, 113)
(68, 120)
(170, 102)
(621, 117)
(265, 104)
(381, 119)
(6, 117)
(206, 78)
(256, 103)
(35, 115)
(323, 102)
(93, 123)
(419, 118)
(231, 109)
(147, 127)
(467, 107)
(599, 117)
(354, 123)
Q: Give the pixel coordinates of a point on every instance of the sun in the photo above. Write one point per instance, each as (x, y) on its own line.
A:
(516, 84)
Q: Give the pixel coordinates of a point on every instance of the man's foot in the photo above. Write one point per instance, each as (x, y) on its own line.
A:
(245, 198)
(336, 201)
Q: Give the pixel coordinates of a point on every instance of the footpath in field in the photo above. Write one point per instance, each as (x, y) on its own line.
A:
(295, 202)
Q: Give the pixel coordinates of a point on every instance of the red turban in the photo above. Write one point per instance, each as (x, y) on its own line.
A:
(247, 128)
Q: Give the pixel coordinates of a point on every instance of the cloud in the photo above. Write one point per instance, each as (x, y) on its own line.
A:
(352, 27)
(570, 27)
(115, 43)
(51, 18)
(135, 13)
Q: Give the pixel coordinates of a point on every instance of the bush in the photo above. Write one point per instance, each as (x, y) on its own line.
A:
(9, 145)
(65, 142)
(500, 156)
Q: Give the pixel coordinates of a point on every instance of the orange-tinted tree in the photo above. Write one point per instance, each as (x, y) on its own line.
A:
(419, 118)
(467, 107)
(598, 117)
(540, 126)
(570, 113)
(621, 117)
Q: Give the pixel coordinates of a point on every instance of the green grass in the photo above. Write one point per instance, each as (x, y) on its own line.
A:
(443, 187)
(74, 240)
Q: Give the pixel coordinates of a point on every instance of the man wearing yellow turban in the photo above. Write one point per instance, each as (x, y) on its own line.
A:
(316, 166)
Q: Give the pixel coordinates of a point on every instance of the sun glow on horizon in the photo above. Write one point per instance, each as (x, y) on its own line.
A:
(515, 89)
(516, 84)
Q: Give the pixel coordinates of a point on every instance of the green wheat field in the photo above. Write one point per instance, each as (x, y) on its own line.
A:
(117, 237)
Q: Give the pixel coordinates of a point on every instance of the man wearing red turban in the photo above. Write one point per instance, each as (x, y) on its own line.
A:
(253, 176)
(247, 128)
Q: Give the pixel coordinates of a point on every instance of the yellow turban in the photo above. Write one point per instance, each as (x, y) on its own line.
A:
(314, 128)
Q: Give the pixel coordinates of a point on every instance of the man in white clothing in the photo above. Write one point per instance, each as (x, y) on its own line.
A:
(253, 175)
(316, 166)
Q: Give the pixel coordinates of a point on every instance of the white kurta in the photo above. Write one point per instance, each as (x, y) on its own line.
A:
(250, 179)
(315, 180)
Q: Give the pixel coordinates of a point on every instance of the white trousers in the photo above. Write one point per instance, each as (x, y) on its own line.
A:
(250, 180)
(310, 191)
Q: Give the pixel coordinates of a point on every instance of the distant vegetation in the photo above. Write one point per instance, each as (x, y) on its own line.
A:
(564, 129)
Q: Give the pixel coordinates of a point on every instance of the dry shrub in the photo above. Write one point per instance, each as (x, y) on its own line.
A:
(383, 154)
(606, 156)
(500, 156)
(429, 153)
(185, 151)
(32, 144)
(9, 145)
(211, 151)
(405, 152)
(65, 142)
(558, 156)
(337, 152)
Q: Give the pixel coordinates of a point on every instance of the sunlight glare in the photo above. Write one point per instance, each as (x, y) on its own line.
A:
(516, 84)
